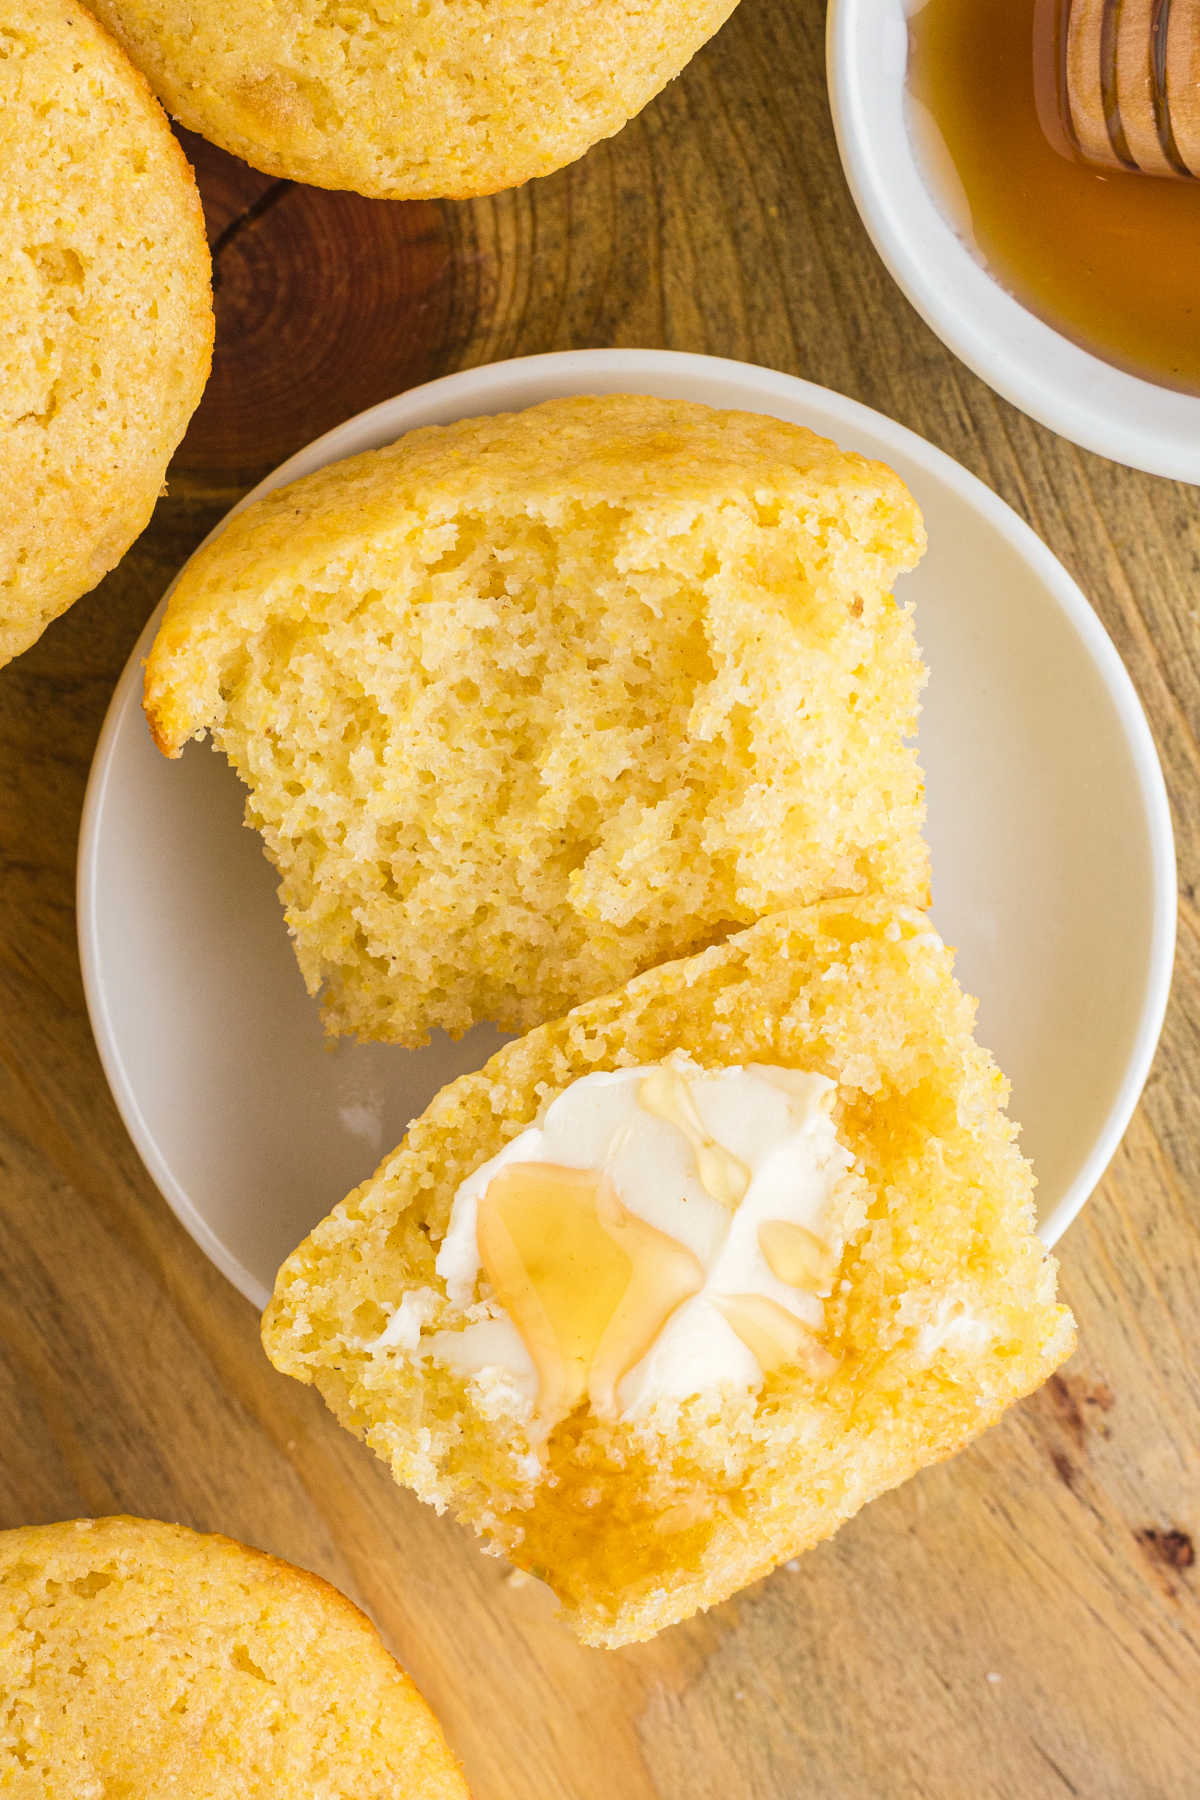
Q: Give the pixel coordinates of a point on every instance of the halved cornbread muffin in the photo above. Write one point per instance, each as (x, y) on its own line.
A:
(528, 704)
(677, 1283)
(151, 1662)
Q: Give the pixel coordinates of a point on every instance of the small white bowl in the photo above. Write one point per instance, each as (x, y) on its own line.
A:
(1052, 379)
(1053, 862)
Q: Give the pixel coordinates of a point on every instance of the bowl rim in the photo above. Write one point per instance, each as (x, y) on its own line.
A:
(1025, 360)
(508, 384)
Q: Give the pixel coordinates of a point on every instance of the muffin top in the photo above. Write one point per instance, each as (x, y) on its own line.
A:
(410, 98)
(525, 704)
(148, 1660)
(105, 295)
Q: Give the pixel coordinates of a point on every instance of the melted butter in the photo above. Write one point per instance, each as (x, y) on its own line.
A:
(665, 1093)
(587, 1283)
(627, 1236)
(776, 1338)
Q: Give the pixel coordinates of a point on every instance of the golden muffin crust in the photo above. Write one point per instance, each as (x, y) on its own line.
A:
(527, 704)
(106, 304)
(410, 99)
(146, 1660)
(636, 1523)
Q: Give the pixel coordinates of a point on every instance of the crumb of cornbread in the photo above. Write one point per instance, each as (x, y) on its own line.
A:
(635, 1525)
(104, 273)
(149, 1661)
(436, 100)
(528, 704)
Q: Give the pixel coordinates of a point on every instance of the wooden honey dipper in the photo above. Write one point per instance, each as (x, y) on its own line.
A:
(1127, 82)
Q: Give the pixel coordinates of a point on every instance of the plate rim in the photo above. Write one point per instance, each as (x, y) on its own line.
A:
(483, 384)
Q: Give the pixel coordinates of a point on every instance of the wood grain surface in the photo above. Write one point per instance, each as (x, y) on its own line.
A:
(1023, 1621)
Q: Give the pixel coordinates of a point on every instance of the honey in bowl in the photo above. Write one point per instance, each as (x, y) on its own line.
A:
(1107, 256)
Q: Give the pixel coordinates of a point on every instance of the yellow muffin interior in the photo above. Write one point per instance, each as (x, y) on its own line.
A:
(149, 1662)
(636, 1524)
(104, 293)
(528, 704)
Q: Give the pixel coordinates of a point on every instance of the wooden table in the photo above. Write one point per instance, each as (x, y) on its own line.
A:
(1024, 1621)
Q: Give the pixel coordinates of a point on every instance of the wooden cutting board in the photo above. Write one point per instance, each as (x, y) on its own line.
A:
(1021, 1622)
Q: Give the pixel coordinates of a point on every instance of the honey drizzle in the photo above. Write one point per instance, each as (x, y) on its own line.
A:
(795, 1255)
(775, 1337)
(665, 1093)
(587, 1283)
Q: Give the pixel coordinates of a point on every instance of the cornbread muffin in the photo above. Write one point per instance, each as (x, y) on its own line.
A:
(146, 1661)
(409, 99)
(921, 1301)
(528, 704)
(105, 304)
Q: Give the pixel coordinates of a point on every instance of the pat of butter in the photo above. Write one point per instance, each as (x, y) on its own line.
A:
(709, 1206)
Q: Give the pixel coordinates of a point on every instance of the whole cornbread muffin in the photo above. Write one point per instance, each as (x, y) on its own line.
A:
(105, 304)
(147, 1661)
(408, 99)
(527, 704)
(676, 1284)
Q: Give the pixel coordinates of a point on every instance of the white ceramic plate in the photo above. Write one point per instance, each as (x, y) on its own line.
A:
(1052, 855)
